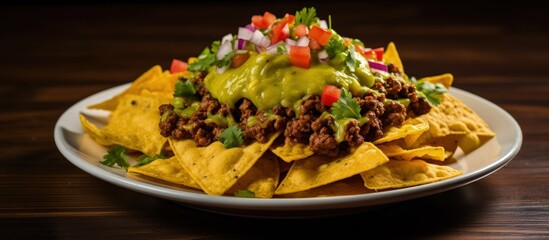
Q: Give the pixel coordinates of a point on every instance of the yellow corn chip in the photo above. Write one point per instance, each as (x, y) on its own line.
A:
(111, 104)
(291, 152)
(262, 178)
(319, 170)
(399, 174)
(410, 128)
(94, 132)
(169, 170)
(215, 168)
(445, 79)
(391, 56)
(348, 186)
(394, 151)
(134, 125)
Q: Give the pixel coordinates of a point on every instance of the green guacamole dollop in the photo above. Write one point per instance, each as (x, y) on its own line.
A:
(269, 80)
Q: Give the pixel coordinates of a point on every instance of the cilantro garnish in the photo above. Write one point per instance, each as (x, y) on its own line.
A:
(350, 60)
(205, 61)
(144, 159)
(346, 106)
(244, 193)
(231, 137)
(281, 49)
(306, 16)
(334, 47)
(184, 89)
(225, 61)
(430, 91)
(116, 155)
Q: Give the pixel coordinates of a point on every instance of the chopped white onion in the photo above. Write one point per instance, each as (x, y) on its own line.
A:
(323, 56)
(303, 41)
(273, 49)
(322, 24)
(224, 49)
(240, 44)
(221, 70)
(228, 37)
(244, 33)
(290, 42)
(250, 27)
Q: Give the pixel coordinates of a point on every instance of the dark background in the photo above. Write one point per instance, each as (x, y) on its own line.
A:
(57, 53)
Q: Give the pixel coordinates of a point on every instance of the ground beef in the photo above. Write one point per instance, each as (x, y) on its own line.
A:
(352, 134)
(322, 140)
(373, 129)
(394, 115)
(299, 129)
(198, 81)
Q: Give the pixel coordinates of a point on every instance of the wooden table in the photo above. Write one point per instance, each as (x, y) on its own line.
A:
(55, 55)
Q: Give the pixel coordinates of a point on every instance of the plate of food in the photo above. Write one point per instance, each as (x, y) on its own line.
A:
(287, 118)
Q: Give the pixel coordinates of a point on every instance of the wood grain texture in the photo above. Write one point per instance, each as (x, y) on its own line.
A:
(53, 55)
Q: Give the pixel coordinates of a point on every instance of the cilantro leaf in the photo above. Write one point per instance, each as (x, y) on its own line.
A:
(116, 155)
(184, 89)
(144, 159)
(225, 61)
(205, 61)
(334, 47)
(350, 60)
(430, 91)
(244, 193)
(346, 106)
(306, 16)
(231, 137)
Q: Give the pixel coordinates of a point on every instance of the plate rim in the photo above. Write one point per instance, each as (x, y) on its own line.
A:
(287, 204)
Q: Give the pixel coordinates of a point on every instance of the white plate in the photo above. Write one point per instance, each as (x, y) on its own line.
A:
(86, 154)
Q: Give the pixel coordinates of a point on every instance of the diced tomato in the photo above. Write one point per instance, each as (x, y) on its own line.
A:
(279, 32)
(313, 44)
(300, 56)
(178, 66)
(330, 95)
(369, 53)
(263, 22)
(289, 18)
(300, 30)
(379, 53)
(322, 36)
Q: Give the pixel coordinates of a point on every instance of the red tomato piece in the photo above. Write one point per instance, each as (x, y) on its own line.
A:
(330, 95)
(279, 32)
(379, 53)
(322, 36)
(257, 22)
(369, 53)
(300, 30)
(289, 18)
(268, 19)
(178, 66)
(300, 56)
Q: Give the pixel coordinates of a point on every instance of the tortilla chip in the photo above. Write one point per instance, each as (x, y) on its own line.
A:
(262, 178)
(400, 174)
(391, 56)
(94, 132)
(410, 127)
(111, 104)
(169, 170)
(348, 186)
(445, 79)
(215, 168)
(319, 170)
(134, 125)
(395, 151)
(453, 117)
(292, 151)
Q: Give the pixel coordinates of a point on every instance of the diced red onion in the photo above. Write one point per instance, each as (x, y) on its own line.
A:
(224, 49)
(241, 44)
(322, 24)
(303, 41)
(250, 27)
(290, 42)
(244, 33)
(378, 66)
(322, 56)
